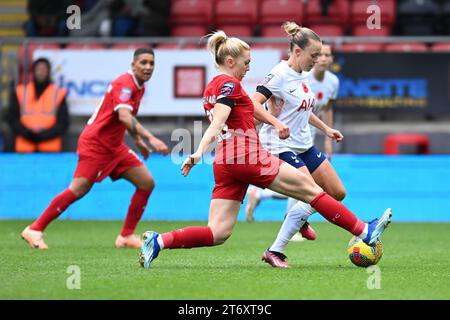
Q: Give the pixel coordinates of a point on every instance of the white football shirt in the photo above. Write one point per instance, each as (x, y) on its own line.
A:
(325, 90)
(292, 102)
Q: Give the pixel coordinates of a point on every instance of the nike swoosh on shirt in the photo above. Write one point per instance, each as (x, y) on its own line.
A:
(290, 91)
(319, 154)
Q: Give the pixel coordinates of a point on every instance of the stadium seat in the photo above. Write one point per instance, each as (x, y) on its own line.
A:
(236, 12)
(359, 13)
(441, 47)
(338, 13)
(363, 31)
(276, 12)
(393, 142)
(236, 17)
(362, 47)
(273, 31)
(191, 12)
(190, 18)
(417, 17)
(189, 31)
(236, 30)
(328, 30)
(406, 47)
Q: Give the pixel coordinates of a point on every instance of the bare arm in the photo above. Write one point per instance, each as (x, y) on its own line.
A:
(262, 115)
(329, 132)
(221, 114)
(140, 134)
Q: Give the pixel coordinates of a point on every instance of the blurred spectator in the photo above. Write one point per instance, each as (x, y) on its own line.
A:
(47, 18)
(154, 22)
(38, 113)
(125, 15)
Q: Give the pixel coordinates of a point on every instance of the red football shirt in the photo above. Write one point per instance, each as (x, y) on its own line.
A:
(104, 133)
(239, 137)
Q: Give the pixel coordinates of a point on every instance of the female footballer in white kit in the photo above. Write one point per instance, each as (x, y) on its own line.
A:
(290, 97)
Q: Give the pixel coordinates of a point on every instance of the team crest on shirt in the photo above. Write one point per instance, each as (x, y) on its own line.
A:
(227, 89)
(305, 88)
(125, 94)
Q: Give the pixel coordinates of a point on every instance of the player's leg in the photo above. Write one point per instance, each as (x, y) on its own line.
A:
(256, 195)
(33, 234)
(306, 232)
(292, 223)
(142, 179)
(300, 186)
(325, 176)
(222, 218)
(303, 164)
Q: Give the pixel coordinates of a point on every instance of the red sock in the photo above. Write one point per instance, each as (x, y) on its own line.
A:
(58, 205)
(337, 213)
(135, 211)
(189, 237)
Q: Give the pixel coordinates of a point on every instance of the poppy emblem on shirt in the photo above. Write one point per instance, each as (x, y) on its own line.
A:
(125, 94)
(227, 88)
(319, 95)
(305, 88)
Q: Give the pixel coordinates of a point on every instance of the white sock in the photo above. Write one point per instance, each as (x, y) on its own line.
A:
(363, 235)
(290, 203)
(160, 241)
(294, 220)
(267, 193)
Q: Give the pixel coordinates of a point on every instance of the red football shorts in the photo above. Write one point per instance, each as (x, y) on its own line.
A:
(96, 168)
(232, 180)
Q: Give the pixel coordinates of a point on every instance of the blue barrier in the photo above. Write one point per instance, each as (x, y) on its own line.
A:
(416, 187)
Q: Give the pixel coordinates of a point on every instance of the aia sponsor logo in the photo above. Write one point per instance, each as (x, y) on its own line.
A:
(307, 104)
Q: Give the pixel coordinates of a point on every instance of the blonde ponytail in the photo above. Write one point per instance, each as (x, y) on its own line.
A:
(221, 46)
(299, 35)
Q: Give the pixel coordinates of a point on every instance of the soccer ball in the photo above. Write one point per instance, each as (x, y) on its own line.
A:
(363, 255)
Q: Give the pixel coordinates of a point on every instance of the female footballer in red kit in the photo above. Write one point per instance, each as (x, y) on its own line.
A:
(102, 152)
(240, 160)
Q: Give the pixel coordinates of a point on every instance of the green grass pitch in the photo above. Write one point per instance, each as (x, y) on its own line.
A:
(415, 265)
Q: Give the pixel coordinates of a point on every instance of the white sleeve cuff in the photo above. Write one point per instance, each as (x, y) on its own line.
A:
(123, 106)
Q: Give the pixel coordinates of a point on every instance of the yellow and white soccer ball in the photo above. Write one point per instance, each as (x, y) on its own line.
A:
(363, 255)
